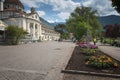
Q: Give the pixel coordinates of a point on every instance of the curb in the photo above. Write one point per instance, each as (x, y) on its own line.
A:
(91, 73)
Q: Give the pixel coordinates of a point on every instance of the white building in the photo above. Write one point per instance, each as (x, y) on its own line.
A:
(12, 13)
(49, 33)
(2, 30)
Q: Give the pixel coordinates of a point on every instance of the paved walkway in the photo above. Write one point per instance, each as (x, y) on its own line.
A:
(112, 51)
(35, 61)
(42, 61)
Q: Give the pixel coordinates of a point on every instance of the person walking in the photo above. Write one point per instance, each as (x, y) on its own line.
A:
(94, 41)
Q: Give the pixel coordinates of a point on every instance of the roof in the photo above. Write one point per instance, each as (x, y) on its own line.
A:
(18, 2)
(14, 9)
(10, 9)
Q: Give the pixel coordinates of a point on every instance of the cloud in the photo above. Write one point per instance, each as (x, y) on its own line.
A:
(64, 15)
(41, 13)
(51, 21)
(103, 7)
(30, 3)
(58, 5)
(64, 5)
(28, 11)
(63, 8)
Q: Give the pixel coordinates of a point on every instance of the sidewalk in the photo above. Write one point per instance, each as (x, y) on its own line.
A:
(111, 51)
(35, 61)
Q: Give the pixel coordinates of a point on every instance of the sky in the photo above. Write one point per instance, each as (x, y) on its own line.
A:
(59, 10)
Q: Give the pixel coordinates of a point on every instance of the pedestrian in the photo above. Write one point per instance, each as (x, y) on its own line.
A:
(94, 41)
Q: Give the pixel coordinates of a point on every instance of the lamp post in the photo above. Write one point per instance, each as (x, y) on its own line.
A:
(87, 38)
(4, 34)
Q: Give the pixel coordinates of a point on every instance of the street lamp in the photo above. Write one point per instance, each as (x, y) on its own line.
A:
(87, 38)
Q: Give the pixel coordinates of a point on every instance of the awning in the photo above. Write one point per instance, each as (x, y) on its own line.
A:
(2, 26)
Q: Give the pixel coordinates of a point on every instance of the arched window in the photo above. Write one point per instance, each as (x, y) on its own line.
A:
(35, 26)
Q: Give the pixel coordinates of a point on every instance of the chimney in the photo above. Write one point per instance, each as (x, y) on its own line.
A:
(1, 5)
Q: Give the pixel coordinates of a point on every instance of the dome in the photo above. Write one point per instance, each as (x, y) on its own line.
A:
(17, 2)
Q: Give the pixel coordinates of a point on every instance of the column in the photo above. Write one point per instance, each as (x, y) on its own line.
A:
(33, 31)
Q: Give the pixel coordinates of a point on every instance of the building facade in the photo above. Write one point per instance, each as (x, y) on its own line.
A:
(2, 30)
(12, 13)
(49, 33)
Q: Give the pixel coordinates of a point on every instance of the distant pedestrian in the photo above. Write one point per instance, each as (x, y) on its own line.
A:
(94, 40)
(74, 40)
(102, 40)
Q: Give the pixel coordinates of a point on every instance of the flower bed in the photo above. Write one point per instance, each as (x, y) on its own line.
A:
(84, 45)
(101, 62)
(88, 52)
(97, 62)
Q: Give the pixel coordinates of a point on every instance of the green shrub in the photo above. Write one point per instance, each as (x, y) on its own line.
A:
(88, 52)
(14, 34)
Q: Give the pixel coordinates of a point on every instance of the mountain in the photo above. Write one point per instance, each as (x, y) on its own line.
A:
(56, 23)
(45, 22)
(104, 20)
(111, 19)
(50, 24)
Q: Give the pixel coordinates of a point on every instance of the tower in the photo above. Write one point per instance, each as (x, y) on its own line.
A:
(32, 10)
(1, 5)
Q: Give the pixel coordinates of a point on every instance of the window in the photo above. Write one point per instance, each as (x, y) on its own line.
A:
(31, 25)
(32, 16)
(36, 16)
(35, 26)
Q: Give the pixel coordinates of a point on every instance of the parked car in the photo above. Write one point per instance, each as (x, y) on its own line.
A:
(115, 43)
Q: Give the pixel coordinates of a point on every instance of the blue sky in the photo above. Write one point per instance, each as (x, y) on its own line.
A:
(59, 10)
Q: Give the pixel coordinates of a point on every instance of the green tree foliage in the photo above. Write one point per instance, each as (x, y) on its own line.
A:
(116, 5)
(14, 34)
(81, 29)
(81, 20)
(61, 28)
(65, 35)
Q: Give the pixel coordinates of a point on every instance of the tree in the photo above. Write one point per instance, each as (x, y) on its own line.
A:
(81, 20)
(61, 28)
(112, 31)
(14, 34)
(116, 5)
(116, 30)
(108, 31)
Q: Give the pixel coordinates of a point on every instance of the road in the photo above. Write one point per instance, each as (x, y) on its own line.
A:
(34, 61)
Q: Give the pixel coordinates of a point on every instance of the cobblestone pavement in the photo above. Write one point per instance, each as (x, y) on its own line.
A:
(35, 61)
